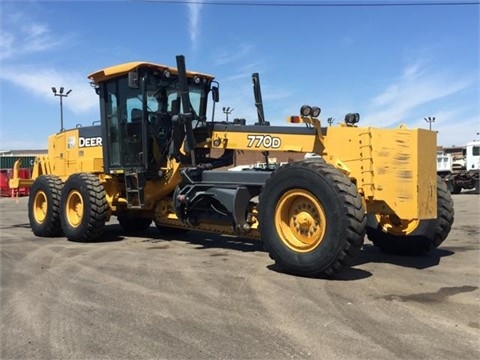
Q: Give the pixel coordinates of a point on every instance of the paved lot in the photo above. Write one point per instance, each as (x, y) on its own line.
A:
(212, 297)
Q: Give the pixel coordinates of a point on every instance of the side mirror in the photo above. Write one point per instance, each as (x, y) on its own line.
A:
(215, 94)
(133, 80)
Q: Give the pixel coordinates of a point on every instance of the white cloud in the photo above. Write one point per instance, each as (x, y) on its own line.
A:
(6, 45)
(244, 72)
(223, 57)
(39, 82)
(416, 87)
(18, 40)
(36, 30)
(22, 35)
(194, 10)
(415, 70)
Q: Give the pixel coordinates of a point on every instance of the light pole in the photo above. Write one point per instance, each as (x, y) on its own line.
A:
(61, 95)
(430, 120)
(227, 111)
(330, 121)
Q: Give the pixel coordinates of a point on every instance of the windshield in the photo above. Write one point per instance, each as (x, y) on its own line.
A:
(165, 100)
(163, 95)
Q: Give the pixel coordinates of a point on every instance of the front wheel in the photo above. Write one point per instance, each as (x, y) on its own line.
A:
(311, 219)
(416, 236)
(83, 208)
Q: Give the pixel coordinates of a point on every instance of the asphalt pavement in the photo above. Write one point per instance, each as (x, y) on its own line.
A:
(204, 296)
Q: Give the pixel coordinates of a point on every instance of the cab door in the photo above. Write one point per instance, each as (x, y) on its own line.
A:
(122, 126)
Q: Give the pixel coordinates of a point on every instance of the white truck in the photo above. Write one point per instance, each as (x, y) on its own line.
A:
(458, 178)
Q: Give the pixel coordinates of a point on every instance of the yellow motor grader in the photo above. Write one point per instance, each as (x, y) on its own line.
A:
(151, 159)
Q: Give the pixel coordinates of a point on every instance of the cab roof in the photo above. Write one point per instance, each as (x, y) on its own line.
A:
(121, 69)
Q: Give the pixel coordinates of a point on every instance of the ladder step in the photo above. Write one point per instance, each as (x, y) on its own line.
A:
(134, 190)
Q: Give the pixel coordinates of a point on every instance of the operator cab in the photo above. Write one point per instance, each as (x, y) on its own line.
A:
(140, 103)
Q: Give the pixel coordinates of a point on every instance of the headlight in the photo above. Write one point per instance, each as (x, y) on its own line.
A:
(352, 118)
(197, 80)
(316, 111)
(305, 110)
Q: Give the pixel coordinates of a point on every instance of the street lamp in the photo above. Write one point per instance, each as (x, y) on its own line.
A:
(430, 120)
(227, 111)
(61, 95)
(330, 121)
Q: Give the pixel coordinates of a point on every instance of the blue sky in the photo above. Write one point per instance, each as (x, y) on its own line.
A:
(393, 65)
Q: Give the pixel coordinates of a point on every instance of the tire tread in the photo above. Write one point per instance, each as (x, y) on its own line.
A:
(95, 222)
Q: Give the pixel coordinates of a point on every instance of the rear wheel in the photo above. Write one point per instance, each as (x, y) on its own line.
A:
(44, 206)
(312, 220)
(83, 208)
(134, 224)
(414, 237)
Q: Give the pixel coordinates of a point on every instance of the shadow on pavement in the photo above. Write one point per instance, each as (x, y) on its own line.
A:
(14, 226)
(349, 274)
(371, 254)
(112, 233)
(204, 240)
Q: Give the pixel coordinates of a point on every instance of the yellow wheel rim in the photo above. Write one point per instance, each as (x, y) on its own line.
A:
(40, 206)
(74, 209)
(300, 220)
(395, 226)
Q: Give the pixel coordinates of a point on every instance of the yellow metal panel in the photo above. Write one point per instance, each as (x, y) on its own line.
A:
(265, 142)
(66, 157)
(90, 159)
(160, 189)
(427, 173)
(70, 150)
(56, 153)
(395, 169)
(351, 146)
(404, 168)
(91, 164)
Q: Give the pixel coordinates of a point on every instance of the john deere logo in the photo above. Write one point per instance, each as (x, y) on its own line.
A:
(71, 142)
(89, 142)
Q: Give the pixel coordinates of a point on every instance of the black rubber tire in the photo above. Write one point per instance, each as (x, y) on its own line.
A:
(456, 189)
(134, 224)
(426, 237)
(46, 189)
(344, 213)
(87, 189)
